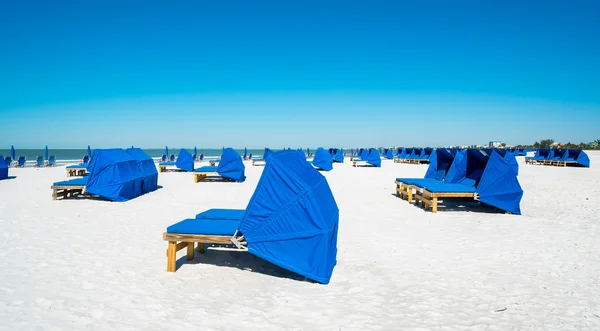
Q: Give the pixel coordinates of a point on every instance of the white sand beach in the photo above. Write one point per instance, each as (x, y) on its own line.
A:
(97, 265)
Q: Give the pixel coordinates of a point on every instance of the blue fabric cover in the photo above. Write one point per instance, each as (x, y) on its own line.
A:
(388, 154)
(458, 169)
(338, 156)
(231, 165)
(541, 154)
(207, 169)
(512, 160)
(499, 186)
(578, 156)
(114, 175)
(3, 169)
(419, 181)
(323, 160)
(292, 218)
(146, 166)
(77, 166)
(185, 161)
(72, 182)
(267, 154)
(426, 153)
(364, 154)
(559, 154)
(374, 158)
(222, 214)
(449, 188)
(206, 226)
(439, 164)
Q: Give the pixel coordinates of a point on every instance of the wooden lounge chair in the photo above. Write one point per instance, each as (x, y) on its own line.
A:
(428, 197)
(203, 172)
(68, 188)
(76, 170)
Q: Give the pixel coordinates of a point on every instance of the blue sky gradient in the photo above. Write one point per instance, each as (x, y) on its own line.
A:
(277, 73)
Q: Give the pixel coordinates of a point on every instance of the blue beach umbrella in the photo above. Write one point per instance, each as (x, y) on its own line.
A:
(166, 151)
(195, 151)
(46, 153)
(12, 152)
(245, 152)
(89, 151)
(307, 151)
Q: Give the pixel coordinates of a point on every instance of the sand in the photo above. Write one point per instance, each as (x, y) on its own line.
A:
(97, 265)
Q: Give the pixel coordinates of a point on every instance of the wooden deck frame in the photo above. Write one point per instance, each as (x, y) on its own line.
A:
(178, 242)
(405, 191)
(262, 162)
(64, 191)
(428, 199)
(72, 172)
(198, 176)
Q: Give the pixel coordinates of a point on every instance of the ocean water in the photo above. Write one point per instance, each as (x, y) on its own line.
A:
(77, 154)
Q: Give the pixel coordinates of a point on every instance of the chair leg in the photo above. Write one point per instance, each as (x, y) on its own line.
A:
(171, 256)
(190, 251)
(201, 248)
(434, 203)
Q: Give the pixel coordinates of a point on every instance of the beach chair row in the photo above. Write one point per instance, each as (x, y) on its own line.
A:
(413, 155)
(478, 176)
(559, 157)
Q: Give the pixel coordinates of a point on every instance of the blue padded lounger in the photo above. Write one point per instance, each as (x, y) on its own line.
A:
(76, 170)
(68, 187)
(207, 226)
(203, 172)
(222, 214)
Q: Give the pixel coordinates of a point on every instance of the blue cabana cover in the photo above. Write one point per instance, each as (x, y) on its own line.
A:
(323, 160)
(578, 156)
(3, 169)
(439, 163)
(364, 154)
(185, 161)
(373, 158)
(388, 154)
(499, 186)
(559, 154)
(114, 175)
(292, 218)
(426, 153)
(541, 154)
(338, 155)
(146, 166)
(512, 160)
(231, 166)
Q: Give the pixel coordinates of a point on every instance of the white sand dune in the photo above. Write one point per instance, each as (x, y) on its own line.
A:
(75, 264)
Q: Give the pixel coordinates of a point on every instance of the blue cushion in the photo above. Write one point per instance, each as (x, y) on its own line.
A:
(418, 181)
(77, 166)
(205, 226)
(167, 163)
(72, 182)
(207, 169)
(222, 214)
(449, 188)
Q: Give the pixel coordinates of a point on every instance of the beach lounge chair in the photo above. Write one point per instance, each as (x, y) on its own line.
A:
(184, 162)
(337, 155)
(21, 162)
(9, 161)
(291, 215)
(574, 157)
(76, 170)
(263, 160)
(322, 160)
(52, 161)
(114, 175)
(372, 160)
(172, 158)
(163, 158)
(231, 168)
(39, 162)
(3, 169)
(147, 168)
(489, 178)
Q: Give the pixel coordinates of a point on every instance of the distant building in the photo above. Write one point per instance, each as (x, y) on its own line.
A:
(495, 144)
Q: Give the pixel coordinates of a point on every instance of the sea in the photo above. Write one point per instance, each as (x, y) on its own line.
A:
(64, 156)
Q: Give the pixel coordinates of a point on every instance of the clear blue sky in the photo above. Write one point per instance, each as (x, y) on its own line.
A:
(307, 73)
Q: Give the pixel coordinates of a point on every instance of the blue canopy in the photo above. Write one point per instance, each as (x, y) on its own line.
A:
(578, 156)
(499, 186)
(231, 165)
(364, 154)
(114, 175)
(292, 218)
(46, 153)
(3, 169)
(323, 160)
(146, 166)
(185, 161)
(388, 154)
(541, 154)
(267, 154)
(439, 163)
(338, 155)
(558, 154)
(373, 158)
(512, 160)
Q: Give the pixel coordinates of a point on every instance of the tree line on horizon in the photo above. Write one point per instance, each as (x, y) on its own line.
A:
(548, 143)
